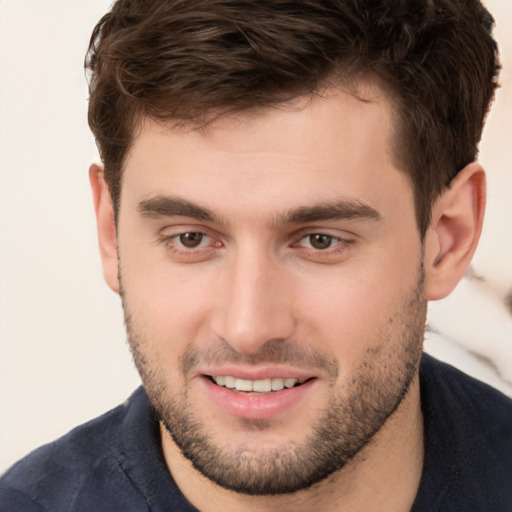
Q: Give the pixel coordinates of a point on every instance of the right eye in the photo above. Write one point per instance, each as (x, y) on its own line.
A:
(192, 239)
(189, 246)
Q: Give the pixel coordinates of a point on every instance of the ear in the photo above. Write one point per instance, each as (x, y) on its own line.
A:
(106, 226)
(454, 231)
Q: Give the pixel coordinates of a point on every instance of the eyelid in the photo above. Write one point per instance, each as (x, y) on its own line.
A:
(202, 242)
(335, 233)
(169, 238)
(336, 239)
(330, 254)
(175, 230)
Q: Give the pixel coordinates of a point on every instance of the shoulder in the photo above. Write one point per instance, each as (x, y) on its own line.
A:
(468, 434)
(52, 476)
(447, 390)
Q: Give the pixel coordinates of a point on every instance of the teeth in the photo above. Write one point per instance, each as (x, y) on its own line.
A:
(277, 384)
(229, 382)
(262, 386)
(243, 385)
(258, 386)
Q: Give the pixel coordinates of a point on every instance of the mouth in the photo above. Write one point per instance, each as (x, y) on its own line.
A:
(266, 397)
(257, 387)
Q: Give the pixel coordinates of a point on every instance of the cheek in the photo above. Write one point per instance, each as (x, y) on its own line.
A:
(167, 307)
(353, 308)
(345, 316)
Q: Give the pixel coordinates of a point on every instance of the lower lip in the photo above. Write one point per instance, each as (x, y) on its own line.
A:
(256, 406)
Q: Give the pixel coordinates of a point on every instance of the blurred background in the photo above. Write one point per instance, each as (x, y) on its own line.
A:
(63, 355)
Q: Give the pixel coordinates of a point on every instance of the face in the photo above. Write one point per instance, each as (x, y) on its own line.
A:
(271, 276)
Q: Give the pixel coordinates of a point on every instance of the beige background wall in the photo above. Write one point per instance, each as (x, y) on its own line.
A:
(63, 357)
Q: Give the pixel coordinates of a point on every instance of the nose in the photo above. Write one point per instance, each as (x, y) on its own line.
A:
(255, 303)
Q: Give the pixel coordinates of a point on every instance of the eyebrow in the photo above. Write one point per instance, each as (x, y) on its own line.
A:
(169, 206)
(332, 210)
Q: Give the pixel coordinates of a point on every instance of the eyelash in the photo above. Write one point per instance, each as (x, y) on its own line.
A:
(337, 245)
(172, 243)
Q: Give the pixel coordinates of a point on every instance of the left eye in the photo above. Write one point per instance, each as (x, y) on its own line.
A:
(319, 241)
(192, 240)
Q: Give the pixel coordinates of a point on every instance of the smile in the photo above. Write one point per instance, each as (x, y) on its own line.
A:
(257, 399)
(256, 386)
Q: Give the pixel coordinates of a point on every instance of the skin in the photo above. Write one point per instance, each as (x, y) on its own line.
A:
(258, 295)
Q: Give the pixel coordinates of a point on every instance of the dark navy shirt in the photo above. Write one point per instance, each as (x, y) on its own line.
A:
(114, 463)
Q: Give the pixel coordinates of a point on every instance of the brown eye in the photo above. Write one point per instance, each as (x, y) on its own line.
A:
(319, 241)
(191, 240)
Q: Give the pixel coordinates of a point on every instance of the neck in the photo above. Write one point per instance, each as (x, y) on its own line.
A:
(384, 475)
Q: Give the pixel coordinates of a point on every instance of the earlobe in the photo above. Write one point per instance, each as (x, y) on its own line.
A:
(106, 226)
(457, 218)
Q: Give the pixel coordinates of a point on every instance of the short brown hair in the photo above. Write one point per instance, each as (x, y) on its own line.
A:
(181, 60)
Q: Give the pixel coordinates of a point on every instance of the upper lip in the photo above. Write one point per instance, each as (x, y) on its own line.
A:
(258, 373)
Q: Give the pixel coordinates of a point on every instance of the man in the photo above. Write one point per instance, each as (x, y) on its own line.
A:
(284, 186)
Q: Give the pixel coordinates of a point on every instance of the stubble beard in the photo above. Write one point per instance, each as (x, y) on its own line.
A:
(355, 414)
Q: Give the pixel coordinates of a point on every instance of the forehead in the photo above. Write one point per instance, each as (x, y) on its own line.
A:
(322, 147)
